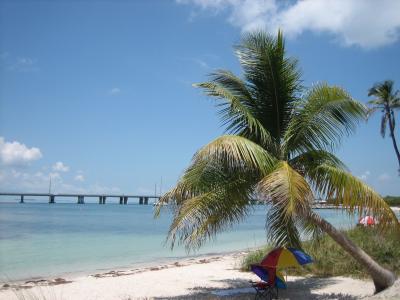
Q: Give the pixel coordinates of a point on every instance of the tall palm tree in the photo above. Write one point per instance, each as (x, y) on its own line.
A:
(279, 146)
(387, 101)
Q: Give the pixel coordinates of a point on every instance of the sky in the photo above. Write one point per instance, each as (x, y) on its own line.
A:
(98, 95)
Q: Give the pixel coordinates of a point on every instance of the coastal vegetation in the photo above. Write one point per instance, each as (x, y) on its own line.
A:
(392, 200)
(279, 145)
(387, 101)
(331, 260)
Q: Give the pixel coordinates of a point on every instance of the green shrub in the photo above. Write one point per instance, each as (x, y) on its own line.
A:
(331, 260)
(392, 200)
(254, 257)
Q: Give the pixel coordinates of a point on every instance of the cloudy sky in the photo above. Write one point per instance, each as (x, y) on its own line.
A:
(98, 94)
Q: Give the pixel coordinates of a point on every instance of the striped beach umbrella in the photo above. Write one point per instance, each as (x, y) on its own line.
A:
(285, 257)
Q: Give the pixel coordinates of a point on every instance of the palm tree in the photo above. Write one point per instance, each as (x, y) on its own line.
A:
(387, 101)
(278, 145)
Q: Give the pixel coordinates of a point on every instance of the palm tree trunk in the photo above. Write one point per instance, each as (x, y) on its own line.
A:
(391, 127)
(381, 277)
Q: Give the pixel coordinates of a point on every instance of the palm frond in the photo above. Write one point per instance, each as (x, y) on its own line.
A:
(236, 107)
(320, 121)
(207, 199)
(228, 154)
(372, 110)
(200, 218)
(289, 194)
(287, 188)
(352, 193)
(237, 154)
(311, 229)
(213, 192)
(282, 230)
(385, 96)
(382, 90)
(378, 103)
(309, 160)
(272, 78)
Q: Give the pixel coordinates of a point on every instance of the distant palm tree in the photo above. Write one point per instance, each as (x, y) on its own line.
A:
(279, 146)
(387, 101)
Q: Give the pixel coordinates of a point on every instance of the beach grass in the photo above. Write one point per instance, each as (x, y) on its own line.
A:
(331, 260)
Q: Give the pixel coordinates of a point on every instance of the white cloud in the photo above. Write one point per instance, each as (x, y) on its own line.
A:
(366, 23)
(364, 175)
(59, 166)
(101, 189)
(201, 63)
(198, 61)
(38, 181)
(15, 153)
(55, 176)
(384, 177)
(24, 64)
(79, 177)
(13, 180)
(114, 91)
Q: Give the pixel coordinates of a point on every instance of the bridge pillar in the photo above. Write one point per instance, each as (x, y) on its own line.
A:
(22, 199)
(104, 199)
(51, 199)
(121, 200)
(140, 200)
(81, 200)
(125, 200)
(146, 200)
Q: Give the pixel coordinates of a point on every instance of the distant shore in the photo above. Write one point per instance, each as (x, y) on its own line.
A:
(207, 277)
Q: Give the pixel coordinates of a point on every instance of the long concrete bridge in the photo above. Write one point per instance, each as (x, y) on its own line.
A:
(123, 199)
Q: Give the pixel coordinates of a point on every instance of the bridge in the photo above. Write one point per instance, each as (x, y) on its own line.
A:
(123, 199)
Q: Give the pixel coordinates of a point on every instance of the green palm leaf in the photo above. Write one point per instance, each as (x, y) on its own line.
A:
(309, 160)
(200, 218)
(236, 107)
(237, 153)
(321, 119)
(287, 188)
(352, 193)
(289, 194)
(272, 78)
(216, 188)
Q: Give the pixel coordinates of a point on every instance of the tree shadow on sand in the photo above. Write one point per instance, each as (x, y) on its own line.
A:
(299, 290)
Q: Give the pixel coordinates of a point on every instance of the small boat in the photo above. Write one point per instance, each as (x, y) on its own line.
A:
(160, 204)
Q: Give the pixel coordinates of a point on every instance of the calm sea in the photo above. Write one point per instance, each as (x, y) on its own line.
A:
(42, 240)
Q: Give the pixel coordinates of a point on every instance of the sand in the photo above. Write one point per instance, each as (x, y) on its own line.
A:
(392, 293)
(395, 208)
(209, 277)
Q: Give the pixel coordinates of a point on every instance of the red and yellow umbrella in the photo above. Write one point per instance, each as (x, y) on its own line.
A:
(285, 257)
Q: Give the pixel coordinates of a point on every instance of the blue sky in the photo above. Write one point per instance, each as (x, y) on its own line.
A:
(98, 94)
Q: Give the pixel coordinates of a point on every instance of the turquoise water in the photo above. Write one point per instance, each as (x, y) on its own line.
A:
(41, 240)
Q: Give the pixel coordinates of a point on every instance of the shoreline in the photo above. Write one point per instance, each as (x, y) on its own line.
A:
(121, 269)
(133, 268)
(206, 277)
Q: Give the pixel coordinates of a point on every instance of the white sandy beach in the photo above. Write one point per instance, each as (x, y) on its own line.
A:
(196, 278)
(395, 208)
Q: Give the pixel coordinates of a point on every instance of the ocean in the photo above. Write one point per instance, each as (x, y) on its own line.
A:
(43, 240)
